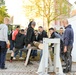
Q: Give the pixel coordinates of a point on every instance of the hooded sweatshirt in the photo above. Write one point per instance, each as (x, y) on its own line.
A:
(4, 33)
(68, 36)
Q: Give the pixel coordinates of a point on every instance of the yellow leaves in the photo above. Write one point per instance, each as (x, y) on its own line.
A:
(48, 9)
(33, 8)
(1, 19)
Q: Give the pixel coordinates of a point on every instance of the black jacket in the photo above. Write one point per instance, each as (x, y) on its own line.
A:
(10, 36)
(37, 38)
(53, 35)
(43, 35)
(30, 36)
(56, 35)
(19, 41)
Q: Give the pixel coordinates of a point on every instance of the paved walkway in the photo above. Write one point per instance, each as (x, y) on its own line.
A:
(18, 68)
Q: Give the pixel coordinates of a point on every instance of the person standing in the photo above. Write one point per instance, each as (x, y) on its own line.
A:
(30, 35)
(13, 37)
(34, 52)
(15, 32)
(61, 33)
(68, 45)
(19, 43)
(54, 34)
(11, 41)
(3, 42)
(42, 34)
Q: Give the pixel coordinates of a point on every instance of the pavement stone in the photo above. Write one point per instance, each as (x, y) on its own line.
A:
(18, 68)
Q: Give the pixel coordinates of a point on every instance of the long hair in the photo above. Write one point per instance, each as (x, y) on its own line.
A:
(29, 25)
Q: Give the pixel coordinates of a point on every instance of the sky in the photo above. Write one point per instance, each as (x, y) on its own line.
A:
(72, 1)
(15, 9)
(13, 6)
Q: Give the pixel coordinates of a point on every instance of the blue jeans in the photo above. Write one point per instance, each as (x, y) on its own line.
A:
(16, 53)
(34, 53)
(3, 51)
(11, 45)
(23, 49)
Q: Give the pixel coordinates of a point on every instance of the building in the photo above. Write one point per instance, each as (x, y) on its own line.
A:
(63, 8)
(60, 8)
(73, 11)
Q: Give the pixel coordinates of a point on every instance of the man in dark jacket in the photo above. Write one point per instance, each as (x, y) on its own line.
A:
(54, 34)
(19, 43)
(61, 33)
(34, 52)
(36, 36)
(68, 45)
(30, 36)
(42, 34)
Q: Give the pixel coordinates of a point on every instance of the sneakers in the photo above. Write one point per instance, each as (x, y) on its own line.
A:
(33, 57)
(21, 58)
(30, 63)
(14, 58)
(10, 61)
(4, 68)
(66, 71)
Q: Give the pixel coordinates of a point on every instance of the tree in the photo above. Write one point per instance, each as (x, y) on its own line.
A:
(50, 10)
(3, 13)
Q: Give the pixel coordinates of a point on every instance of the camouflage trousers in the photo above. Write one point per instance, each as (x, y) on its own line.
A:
(68, 58)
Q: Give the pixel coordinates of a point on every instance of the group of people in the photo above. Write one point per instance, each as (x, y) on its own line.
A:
(21, 39)
(66, 44)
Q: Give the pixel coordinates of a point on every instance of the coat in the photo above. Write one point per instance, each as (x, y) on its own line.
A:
(68, 36)
(19, 41)
(30, 36)
(43, 35)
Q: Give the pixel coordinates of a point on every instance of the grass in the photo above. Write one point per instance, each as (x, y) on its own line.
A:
(37, 58)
